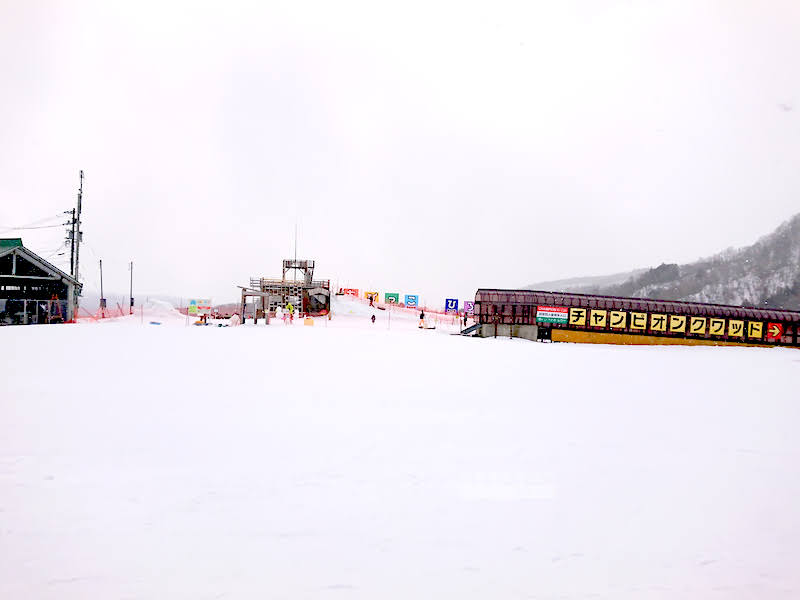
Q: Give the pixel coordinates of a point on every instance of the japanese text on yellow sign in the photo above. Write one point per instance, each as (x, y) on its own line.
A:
(661, 323)
(697, 325)
(577, 316)
(638, 320)
(658, 322)
(716, 326)
(677, 323)
(598, 318)
(617, 319)
(736, 328)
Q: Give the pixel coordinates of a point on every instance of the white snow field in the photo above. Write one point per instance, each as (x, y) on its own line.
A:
(351, 460)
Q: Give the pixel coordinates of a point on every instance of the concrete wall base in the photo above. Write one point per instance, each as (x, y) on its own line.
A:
(528, 332)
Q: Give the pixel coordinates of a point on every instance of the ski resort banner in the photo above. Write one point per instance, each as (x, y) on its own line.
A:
(391, 298)
(469, 307)
(412, 300)
(351, 292)
(451, 305)
(659, 323)
(552, 314)
(199, 306)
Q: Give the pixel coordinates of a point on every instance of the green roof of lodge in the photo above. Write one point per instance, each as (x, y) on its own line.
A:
(10, 242)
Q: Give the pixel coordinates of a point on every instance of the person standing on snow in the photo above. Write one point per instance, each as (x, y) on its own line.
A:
(373, 319)
(421, 319)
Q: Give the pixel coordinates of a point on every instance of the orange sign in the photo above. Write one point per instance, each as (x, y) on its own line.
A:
(774, 331)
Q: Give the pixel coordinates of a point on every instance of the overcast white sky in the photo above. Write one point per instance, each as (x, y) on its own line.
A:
(423, 147)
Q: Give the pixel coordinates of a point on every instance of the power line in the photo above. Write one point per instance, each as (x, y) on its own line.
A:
(25, 228)
(34, 223)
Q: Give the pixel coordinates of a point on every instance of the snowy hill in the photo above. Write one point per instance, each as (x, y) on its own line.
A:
(360, 460)
(576, 284)
(764, 274)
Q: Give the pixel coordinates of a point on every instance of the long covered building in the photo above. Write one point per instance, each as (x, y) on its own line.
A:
(31, 289)
(569, 317)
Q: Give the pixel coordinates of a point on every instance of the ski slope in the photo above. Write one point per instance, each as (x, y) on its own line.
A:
(352, 460)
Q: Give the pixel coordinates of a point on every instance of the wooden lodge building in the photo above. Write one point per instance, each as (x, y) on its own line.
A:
(31, 289)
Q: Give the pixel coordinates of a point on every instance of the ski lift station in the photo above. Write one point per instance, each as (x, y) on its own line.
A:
(31, 289)
(309, 296)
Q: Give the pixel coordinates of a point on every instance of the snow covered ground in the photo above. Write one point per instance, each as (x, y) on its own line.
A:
(351, 460)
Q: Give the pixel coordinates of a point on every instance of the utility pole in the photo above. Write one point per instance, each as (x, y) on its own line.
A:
(131, 287)
(78, 235)
(71, 240)
(74, 236)
(102, 297)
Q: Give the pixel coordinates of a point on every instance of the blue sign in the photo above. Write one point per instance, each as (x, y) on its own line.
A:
(451, 305)
(412, 300)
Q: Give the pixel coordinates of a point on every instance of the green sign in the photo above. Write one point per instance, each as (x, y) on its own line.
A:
(199, 306)
(552, 314)
(391, 297)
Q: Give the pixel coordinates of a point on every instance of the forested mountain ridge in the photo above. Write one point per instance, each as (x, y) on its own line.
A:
(766, 273)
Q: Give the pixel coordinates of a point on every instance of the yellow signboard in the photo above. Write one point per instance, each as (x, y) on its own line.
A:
(598, 318)
(658, 322)
(638, 320)
(617, 319)
(577, 316)
(677, 323)
(736, 328)
(755, 329)
(697, 325)
(716, 326)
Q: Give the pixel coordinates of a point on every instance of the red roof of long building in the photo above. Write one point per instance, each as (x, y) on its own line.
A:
(538, 297)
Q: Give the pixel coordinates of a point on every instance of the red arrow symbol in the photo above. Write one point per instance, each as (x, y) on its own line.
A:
(775, 330)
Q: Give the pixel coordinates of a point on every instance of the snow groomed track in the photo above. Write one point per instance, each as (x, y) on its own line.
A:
(413, 464)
